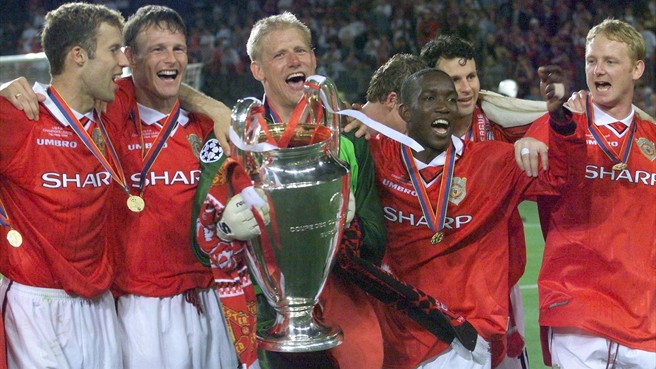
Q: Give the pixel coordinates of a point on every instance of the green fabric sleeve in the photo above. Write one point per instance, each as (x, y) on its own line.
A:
(208, 171)
(355, 152)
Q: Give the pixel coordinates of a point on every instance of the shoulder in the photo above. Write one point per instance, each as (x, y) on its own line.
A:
(205, 123)
(351, 147)
(383, 148)
(125, 101)
(351, 139)
(9, 114)
(126, 93)
(488, 150)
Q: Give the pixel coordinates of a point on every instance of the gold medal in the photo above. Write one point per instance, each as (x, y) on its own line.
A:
(136, 203)
(437, 238)
(14, 237)
(619, 166)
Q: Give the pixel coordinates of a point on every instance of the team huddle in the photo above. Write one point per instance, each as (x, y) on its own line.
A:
(124, 218)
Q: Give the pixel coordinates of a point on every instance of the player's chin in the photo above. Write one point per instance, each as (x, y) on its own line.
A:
(107, 96)
(466, 109)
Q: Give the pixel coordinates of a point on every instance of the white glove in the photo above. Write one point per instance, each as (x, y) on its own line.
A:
(481, 353)
(238, 221)
(350, 212)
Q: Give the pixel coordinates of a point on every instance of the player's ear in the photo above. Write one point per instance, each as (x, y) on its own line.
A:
(130, 55)
(79, 55)
(404, 112)
(638, 69)
(391, 100)
(257, 72)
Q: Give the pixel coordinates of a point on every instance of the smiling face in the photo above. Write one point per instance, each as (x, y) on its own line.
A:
(464, 75)
(431, 116)
(158, 63)
(99, 72)
(611, 74)
(282, 66)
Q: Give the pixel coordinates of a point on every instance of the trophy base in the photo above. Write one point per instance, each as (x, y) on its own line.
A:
(307, 337)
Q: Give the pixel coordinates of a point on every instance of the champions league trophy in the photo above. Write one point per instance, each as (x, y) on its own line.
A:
(307, 188)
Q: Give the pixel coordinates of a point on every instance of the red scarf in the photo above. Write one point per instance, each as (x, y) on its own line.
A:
(231, 275)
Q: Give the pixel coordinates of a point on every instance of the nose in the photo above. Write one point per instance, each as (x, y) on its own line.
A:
(122, 60)
(464, 86)
(293, 60)
(169, 56)
(441, 105)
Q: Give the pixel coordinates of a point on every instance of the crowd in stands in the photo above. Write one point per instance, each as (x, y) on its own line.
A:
(354, 37)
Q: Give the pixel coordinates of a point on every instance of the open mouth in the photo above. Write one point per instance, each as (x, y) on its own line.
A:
(440, 126)
(296, 80)
(169, 74)
(602, 86)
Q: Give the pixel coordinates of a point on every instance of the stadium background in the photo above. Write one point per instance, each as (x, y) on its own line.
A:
(353, 38)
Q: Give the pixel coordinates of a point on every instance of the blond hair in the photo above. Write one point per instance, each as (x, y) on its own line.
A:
(274, 23)
(617, 30)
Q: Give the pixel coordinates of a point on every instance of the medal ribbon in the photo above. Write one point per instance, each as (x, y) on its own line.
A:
(4, 218)
(13, 236)
(289, 128)
(151, 155)
(117, 174)
(435, 219)
(603, 144)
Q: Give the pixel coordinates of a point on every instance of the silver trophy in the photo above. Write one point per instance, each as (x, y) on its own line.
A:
(307, 189)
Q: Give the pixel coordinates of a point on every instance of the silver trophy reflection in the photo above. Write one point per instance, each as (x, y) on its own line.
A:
(307, 188)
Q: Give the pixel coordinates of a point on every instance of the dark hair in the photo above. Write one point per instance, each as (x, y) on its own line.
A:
(389, 77)
(446, 47)
(74, 24)
(152, 15)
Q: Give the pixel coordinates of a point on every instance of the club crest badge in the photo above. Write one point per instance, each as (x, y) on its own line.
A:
(211, 151)
(646, 148)
(196, 144)
(97, 137)
(458, 190)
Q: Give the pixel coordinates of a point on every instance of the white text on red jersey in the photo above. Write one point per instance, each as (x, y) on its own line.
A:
(167, 178)
(398, 216)
(626, 175)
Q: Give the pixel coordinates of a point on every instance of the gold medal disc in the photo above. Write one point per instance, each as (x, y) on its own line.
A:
(437, 238)
(619, 166)
(136, 203)
(14, 237)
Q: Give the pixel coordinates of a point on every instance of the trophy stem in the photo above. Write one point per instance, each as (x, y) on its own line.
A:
(297, 330)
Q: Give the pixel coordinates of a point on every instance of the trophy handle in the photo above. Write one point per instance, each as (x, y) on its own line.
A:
(326, 94)
(245, 127)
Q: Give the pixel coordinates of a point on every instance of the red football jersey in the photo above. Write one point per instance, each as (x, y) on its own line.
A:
(599, 267)
(483, 129)
(468, 269)
(55, 192)
(152, 248)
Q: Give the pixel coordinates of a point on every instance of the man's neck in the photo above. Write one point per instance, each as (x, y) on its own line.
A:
(427, 155)
(283, 112)
(375, 111)
(163, 106)
(69, 89)
(619, 111)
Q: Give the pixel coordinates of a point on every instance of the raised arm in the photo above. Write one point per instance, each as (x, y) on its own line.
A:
(529, 152)
(197, 102)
